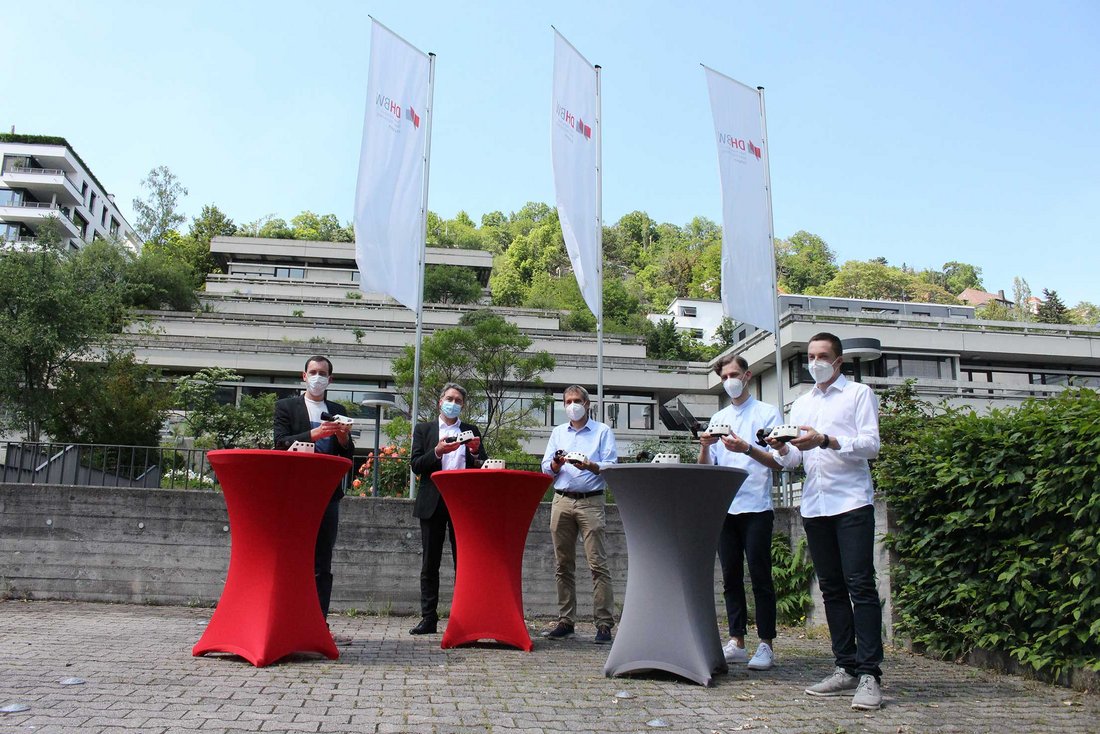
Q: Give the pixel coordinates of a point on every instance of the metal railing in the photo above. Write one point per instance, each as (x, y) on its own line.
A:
(36, 171)
(100, 465)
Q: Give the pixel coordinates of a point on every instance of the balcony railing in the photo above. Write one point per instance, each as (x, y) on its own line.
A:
(37, 171)
(34, 205)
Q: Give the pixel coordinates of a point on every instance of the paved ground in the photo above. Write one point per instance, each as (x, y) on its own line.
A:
(141, 678)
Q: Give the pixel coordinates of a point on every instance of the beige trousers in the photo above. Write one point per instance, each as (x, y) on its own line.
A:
(568, 519)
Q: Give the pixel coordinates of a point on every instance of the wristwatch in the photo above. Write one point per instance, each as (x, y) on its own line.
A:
(824, 440)
(748, 449)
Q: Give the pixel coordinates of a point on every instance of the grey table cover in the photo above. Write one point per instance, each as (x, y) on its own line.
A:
(672, 515)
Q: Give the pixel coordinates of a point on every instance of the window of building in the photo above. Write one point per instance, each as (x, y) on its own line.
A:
(839, 309)
(9, 232)
(84, 191)
(81, 224)
(936, 368)
(688, 311)
(11, 197)
(103, 216)
(15, 162)
(114, 227)
(741, 334)
(641, 417)
(696, 333)
(922, 313)
(91, 204)
(290, 273)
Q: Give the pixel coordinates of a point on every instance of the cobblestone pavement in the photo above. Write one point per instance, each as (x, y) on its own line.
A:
(140, 677)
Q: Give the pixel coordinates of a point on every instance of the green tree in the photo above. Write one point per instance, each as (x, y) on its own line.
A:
(664, 341)
(158, 213)
(804, 263)
(960, 276)
(223, 425)
(155, 280)
(1085, 313)
(57, 307)
(491, 358)
(875, 281)
(1052, 310)
(994, 311)
(323, 228)
(1021, 293)
(450, 284)
(268, 226)
(117, 400)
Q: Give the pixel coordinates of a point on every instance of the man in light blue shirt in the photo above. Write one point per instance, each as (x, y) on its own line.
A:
(578, 508)
(747, 530)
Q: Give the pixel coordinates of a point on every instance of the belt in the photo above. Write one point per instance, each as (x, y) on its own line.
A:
(577, 495)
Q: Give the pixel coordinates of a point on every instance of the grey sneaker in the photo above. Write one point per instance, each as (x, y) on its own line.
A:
(836, 684)
(868, 695)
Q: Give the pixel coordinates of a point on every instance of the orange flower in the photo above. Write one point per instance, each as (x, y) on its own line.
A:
(401, 450)
(362, 494)
(357, 484)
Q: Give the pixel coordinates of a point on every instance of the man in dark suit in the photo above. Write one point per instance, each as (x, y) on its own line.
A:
(299, 419)
(431, 452)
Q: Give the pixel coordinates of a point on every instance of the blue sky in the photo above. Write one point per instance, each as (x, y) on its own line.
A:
(921, 132)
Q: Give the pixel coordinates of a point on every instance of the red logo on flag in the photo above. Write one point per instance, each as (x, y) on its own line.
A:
(754, 150)
(410, 114)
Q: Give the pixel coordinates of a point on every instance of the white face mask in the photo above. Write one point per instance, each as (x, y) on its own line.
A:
(820, 370)
(575, 411)
(734, 387)
(316, 384)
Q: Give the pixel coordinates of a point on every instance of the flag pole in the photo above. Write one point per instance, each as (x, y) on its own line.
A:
(428, 114)
(599, 249)
(771, 248)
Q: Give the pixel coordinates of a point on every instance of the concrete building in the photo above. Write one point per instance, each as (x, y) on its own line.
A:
(700, 319)
(280, 301)
(43, 177)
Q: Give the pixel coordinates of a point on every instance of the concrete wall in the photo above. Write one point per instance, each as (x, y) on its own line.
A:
(157, 546)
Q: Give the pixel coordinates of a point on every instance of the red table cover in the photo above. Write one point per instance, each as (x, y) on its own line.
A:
(269, 607)
(492, 511)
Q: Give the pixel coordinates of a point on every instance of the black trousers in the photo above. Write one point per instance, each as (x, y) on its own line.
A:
(432, 532)
(322, 554)
(748, 535)
(842, 547)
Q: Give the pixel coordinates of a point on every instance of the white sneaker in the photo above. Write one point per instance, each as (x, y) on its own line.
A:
(735, 654)
(764, 658)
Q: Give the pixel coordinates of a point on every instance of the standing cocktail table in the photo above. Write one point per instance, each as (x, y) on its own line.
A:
(672, 515)
(492, 511)
(269, 607)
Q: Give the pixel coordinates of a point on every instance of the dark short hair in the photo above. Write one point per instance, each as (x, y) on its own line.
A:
(319, 358)
(833, 339)
(726, 359)
(453, 386)
(576, 390)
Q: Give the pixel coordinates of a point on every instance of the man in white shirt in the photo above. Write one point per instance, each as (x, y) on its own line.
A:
(747, 530)
(839, 434)
(578, 509)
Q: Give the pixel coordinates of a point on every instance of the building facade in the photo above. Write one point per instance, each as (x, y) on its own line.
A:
(280, 301)
(43, 177)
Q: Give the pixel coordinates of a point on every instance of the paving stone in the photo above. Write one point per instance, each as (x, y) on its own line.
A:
(141, 677)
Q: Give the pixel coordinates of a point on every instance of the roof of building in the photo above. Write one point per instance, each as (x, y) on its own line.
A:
(975, 297)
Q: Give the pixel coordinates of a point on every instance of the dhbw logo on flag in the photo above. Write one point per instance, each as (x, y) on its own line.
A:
(410, 114)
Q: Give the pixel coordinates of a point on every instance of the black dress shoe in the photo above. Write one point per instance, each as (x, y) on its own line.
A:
(424, 627)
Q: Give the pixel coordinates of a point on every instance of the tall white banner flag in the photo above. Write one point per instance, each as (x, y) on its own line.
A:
(573, 142)
(389, 224)
(748, 270)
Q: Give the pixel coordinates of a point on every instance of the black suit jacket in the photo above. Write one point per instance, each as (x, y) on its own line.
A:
(424, 462)
(292, 424)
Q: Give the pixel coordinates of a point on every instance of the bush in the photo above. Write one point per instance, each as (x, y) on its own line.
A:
(393, 473)
(998, 521)
(792, 571)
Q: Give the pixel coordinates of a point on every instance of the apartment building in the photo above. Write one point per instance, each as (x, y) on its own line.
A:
(42, 177)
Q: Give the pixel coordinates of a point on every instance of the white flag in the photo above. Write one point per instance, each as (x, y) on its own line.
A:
(748, 291)
(389, 227)
(573, 139)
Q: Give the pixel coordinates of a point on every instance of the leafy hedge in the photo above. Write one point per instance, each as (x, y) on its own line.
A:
(998, 527)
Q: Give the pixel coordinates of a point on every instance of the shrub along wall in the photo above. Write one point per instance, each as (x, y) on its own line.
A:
(997, 528)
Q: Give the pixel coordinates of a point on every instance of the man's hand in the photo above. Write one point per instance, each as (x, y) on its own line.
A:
(329, 428)
(445, 447)
(780, 447)
(474, 445)
(808, 439)
(705, 439)
(735, 443)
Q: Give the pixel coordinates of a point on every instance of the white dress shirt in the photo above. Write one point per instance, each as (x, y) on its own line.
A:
(837, 481)
(457, 458)
(755, 495)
